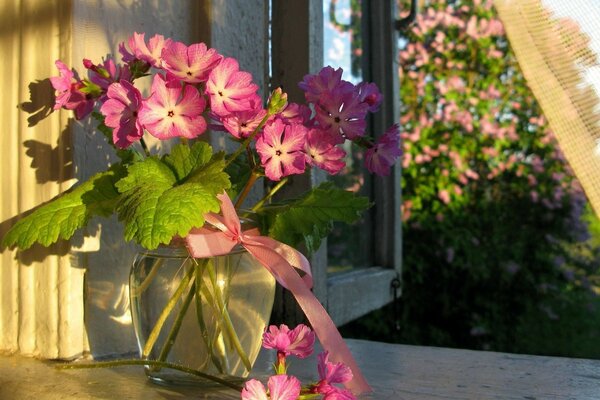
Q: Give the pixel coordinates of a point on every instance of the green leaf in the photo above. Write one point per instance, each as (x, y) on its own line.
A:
(155, 206)
(310, 218)
(62, 216)
(239, 171)
(184, 159)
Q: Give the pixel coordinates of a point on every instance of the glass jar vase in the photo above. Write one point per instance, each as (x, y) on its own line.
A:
(205, 314)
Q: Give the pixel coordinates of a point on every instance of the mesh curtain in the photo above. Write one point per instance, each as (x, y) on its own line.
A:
(555, 56)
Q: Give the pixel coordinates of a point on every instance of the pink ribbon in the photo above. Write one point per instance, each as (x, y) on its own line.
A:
(279, 259)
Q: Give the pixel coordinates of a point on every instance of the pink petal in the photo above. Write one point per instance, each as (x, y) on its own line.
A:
(254, 390)
(284, 387)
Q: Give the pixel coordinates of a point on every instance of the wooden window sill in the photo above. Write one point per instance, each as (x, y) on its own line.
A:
(394, 371)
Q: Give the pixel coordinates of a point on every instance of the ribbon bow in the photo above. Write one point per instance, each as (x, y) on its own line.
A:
(279, 259)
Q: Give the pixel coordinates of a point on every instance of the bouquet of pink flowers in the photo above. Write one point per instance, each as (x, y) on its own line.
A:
(162, 197)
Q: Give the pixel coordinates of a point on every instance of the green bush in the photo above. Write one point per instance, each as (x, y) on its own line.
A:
(494, 244)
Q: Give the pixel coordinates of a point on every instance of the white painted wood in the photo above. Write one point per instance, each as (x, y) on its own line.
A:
(396, 372)
(358, 292)
(41, 312)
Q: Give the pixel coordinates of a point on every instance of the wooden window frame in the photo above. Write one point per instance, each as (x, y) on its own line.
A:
(297, 49)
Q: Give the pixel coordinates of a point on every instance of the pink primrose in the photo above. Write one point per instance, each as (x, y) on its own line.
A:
(369, 93)
(298, 341)
(242, 123)
(322, 152)
(151, 53)
(106, 73)
(172, 110)
(230, 89)
(281, 149)
(332, 372)
(327, 82)
(342, 115)
(190, 64)
(121, 113)
(69, 95)
(281, 387)
(338, 394)
(295, 113)
(385, 152)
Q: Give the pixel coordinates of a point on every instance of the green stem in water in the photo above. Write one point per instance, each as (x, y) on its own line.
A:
(271, 193)
(229, 329)
(166, 312)
(200, 316)
(153, 363)
(141, 288)
(177, 324)
(251, 180)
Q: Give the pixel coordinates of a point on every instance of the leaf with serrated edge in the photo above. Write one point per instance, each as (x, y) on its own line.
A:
(311, 217)
(62, 216)
(184, 159)
(155, 208)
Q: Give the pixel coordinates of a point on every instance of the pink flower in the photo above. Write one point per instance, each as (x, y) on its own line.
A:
(69, 95)
(330, 374)
(173, 111)
(321, 151)
(280, 149)
(380, 157)
(338, 394)
(298, 341)
(242, 123)
(152, 53)
(121, 113)
(190, 64)
(281, 387)
(342, 115)
(327, 82)
(295, 113)
(444, 196)
(369, 93)
(229, 88)
(106, 73)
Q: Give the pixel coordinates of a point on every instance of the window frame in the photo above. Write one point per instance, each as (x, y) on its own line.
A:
(297, 49)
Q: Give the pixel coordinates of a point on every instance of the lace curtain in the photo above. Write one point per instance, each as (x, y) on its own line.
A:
(556, 43)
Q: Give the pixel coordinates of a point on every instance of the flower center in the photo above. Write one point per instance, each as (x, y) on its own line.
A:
(278, 153)
(189, 73)
(170, 113)
(337, 120)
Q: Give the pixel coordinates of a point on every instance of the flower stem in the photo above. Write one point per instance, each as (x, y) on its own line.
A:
(271, 193)
(177, 324)
(154, 363)
(141, 288)
(198, 288)
(145, 147)
(166, 312)
(251, 180)
(229, 328)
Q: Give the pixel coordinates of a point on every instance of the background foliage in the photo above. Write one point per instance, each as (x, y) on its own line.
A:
(499, 249)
